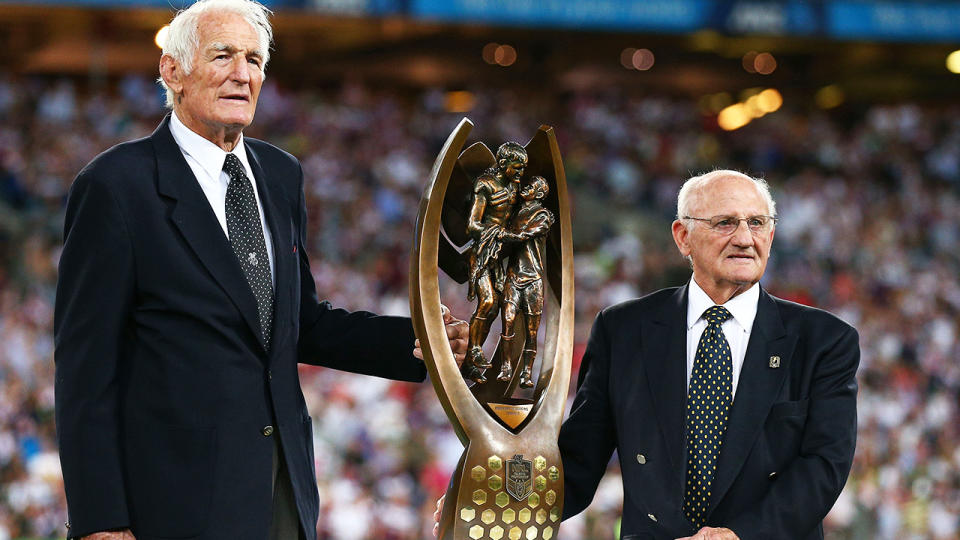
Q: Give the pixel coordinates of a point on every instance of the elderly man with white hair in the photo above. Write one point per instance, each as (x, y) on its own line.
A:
(733, 412)
(184, 303)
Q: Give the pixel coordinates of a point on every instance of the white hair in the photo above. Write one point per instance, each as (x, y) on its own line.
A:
(691, 191)
(183, 39)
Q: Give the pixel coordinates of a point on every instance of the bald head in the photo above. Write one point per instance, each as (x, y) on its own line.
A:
(691, 197)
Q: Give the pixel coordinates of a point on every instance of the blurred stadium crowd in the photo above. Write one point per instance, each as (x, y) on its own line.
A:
(870, 204)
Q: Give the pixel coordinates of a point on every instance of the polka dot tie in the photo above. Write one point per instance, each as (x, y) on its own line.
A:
(246, 237)
(708, 406)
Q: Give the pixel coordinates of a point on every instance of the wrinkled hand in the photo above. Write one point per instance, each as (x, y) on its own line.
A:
(713, 533)
(436, 516)
(110, 535)
(457, 332)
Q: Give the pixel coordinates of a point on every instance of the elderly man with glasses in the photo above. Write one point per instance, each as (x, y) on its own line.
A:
(733, 412)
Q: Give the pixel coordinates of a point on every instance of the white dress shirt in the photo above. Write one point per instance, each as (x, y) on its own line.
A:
(736, 329)
(206, 161)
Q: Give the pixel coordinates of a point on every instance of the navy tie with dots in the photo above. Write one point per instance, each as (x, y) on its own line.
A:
(246, 238)
(708, 407)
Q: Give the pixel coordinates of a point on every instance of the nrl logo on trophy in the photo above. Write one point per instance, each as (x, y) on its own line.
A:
(519, 477)
(498, 223)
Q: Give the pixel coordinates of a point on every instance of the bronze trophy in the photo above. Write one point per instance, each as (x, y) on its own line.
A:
(499, 223)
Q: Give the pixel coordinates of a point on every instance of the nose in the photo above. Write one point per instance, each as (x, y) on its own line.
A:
(742, 237)
(241, 70)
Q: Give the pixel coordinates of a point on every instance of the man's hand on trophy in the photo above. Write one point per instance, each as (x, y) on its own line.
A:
(709, 533)
(436, 516)
(457, 332)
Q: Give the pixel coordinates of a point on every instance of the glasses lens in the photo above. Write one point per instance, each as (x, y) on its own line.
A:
(724, 224)
(757, 223)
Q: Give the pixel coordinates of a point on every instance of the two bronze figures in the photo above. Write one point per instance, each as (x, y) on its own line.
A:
(508, 223)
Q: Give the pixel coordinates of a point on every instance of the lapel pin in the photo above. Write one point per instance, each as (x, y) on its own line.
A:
(774, 362)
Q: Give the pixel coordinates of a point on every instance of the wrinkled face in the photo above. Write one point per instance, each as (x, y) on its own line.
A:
(513, 168)
(738, 259)
(222, 90)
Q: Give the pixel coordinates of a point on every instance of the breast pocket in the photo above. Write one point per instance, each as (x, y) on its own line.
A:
(786, 409)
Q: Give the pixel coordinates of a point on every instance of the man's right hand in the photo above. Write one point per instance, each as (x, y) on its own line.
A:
(110, 535)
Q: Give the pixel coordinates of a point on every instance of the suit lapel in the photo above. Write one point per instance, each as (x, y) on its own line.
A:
(280, 233)
(757, 389)
(663, 351)
(198, 224)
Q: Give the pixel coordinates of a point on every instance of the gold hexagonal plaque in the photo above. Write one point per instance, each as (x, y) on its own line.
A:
(515, 533)
(540, 483)
(502, 499)
(540, 463)
(541, 516)
(554, 474)
(467, 513)
(533, 500)
(495, 463)
(488, 516)
(478, 473)
(479, 496)
(550, 497)
(476, 532)
(531, 533)
(548, 533)
(509, 515)
(496, 533)
(495, 483)
(523, 515)
(555, 513)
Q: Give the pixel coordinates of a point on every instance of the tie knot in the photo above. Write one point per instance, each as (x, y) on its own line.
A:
(233, 167)
(716, 315)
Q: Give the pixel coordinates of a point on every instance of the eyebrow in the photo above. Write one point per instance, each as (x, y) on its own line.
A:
(223, 47)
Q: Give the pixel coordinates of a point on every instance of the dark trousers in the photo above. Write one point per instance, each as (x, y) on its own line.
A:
(286, 522)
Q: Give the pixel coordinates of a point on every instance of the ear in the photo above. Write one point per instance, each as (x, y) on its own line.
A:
(171, 73)
(681, 236)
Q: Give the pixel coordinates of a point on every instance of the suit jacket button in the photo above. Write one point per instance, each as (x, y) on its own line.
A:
(267, 431)
(270, 374)
(772, 475)
(641, 459)
(652, 517)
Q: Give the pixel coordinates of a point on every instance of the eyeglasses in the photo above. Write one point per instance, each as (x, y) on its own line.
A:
(728, 224)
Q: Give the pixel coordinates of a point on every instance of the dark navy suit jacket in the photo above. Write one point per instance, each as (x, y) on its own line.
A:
(789, 442)
(164, 389)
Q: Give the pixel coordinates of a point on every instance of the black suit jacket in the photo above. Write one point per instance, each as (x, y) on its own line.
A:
(789, 442)
(164, 389)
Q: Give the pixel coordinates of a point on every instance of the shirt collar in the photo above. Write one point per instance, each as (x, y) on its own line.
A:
(743, 306)
(210, 156)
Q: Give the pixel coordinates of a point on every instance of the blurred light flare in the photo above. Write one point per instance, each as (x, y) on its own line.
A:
(754, 103)
(829, 97)
(505, 55)
(769, 100)
(765, 63)
(748, 62)
(161, 38)
(626, 57)
(733, 117)
(489, 52)
(953, 62)
(643, 59)
(459, 101)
